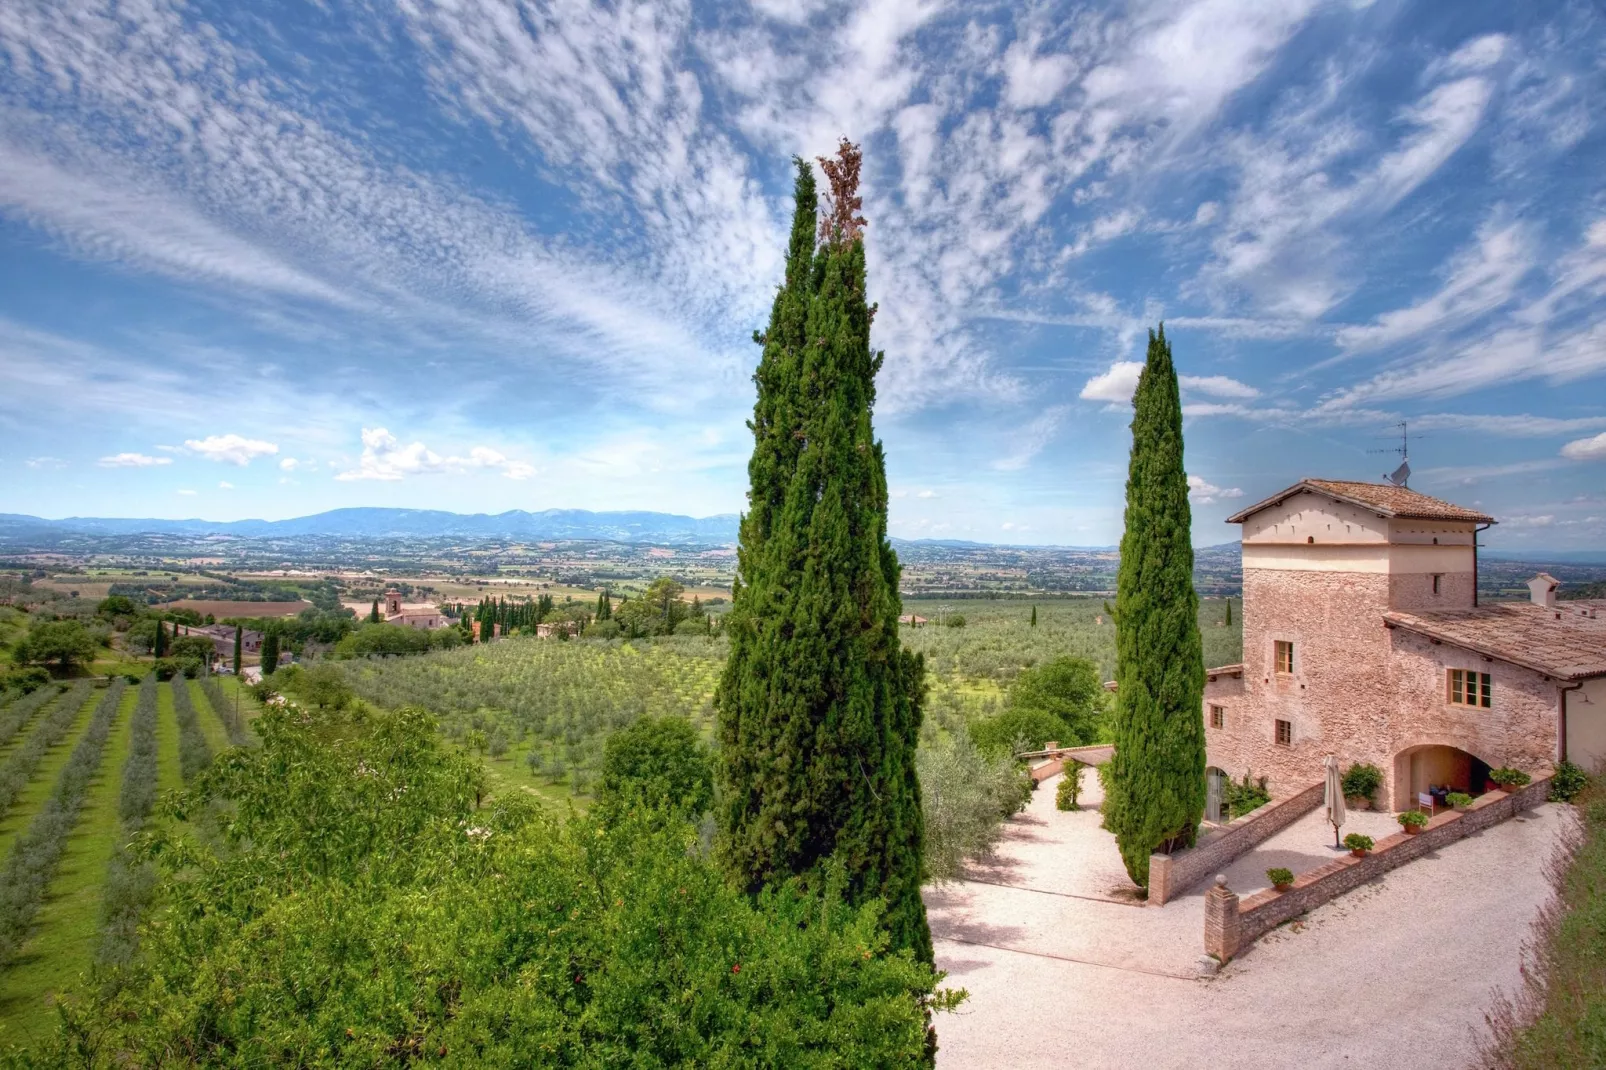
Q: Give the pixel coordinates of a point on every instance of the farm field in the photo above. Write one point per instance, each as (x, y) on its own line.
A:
(224, 610)
(79, 774)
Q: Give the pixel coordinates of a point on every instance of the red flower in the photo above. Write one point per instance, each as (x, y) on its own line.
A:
(736, 968)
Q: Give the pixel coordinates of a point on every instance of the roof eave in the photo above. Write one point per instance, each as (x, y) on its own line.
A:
(1418, 628)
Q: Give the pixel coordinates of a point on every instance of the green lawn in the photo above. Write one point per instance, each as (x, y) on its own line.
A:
(63, 945)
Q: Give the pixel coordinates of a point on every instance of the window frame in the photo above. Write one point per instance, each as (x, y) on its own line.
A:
(1217, 715)
(1282, 732)
(1470, 689)
(1280, 647)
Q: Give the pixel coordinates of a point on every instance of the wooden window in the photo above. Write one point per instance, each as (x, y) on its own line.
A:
(1285, 733)
(1285, 656)
(1218, 717)
(1436, 578)
(1467, 687)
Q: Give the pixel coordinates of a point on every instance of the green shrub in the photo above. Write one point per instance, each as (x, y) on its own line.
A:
(1567, 782)
(1362, 780)
(26, 680)
(1507, 777)
(660, 762)
(1019, 729)
(1458, 800)
(1246, 795)
(954, 620)
(1070, 789)
(966, 794)
(1413, 819)
(358, 906)
(1069, 688)
(1280, 875)
(1357, 842)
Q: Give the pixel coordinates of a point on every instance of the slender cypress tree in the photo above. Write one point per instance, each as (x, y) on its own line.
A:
(1229, 612)
(819, 707)
(239, 646)
(373, 614)
(270, 651)
(1157, 777)
(1034, 616)
(160, 649)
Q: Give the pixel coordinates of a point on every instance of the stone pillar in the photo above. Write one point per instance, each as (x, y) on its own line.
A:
(1221, 932)
(1159, 879)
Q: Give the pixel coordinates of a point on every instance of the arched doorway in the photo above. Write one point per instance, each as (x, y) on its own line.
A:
(1215, 795)
(1432, 768)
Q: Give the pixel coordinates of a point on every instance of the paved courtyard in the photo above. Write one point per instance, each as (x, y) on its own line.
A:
(1065, 967)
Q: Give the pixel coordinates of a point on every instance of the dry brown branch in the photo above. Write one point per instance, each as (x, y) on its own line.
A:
(842, 221)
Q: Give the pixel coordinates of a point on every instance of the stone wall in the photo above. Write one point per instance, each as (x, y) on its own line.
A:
(1171, 875)
(1232, 925)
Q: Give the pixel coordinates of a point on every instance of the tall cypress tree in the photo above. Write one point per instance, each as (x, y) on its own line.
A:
(270, 651)
(160, 647)
(239, 646)
(1157, 777)
(1034, 616)
(819, 707)
(1229, 612)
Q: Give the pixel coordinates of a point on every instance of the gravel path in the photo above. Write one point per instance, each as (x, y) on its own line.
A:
(1066, 968)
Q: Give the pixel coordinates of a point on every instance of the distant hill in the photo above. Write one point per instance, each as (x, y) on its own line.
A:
(549, 525)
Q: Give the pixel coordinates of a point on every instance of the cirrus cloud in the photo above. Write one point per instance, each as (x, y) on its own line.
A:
(230, 449)
(133, 460)
(1586, 449)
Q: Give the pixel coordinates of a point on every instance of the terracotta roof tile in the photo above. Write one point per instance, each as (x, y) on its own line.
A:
(1385, 498)
(1567, 642)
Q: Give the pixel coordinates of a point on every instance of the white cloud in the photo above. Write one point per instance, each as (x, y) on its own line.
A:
(289, 464)
(45, 462)
(1218, 386)
(133, 460)
(928, 494)
(225, 485)
(1203, 493)
(385, 458)
(1586, 449)
(1028, 441)
(1118, 384)
(230, 448)
(186, 492)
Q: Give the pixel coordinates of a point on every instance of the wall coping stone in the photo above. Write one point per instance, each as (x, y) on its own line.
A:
(1171, 875)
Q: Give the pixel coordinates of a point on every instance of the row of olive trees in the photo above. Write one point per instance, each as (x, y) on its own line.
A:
(36, 854)
(239, 732)
(194, 753)
(22, 710)
(130, 880)
(19, 766)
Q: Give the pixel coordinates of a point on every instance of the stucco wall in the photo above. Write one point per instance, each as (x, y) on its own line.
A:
(1586, 725)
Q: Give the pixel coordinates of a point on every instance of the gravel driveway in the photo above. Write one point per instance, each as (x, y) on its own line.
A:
(1065, 967)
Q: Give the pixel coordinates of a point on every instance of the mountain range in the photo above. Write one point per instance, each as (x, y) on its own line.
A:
(380, 523)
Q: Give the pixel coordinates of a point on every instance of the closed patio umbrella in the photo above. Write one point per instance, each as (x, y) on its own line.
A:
(1334, 797)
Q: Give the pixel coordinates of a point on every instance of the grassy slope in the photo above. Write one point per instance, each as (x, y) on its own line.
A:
(63, 946)
(168, 775)
(211, 726)
(28, 801)
(1570, 1027)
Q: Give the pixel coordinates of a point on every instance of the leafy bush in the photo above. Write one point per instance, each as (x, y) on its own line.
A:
(1357, 842)
(954, 620)
(1245, 796)
(24, 680)
(1508, 777)
(1458, 800)
(660, 762)
(966, 793)
(1413, 819)
(1069, 689)
(1280, 875)
(63, 643)
(1567, 782)
(1070, 788)
(1019, 729)
(360, 907)
(1362, 780)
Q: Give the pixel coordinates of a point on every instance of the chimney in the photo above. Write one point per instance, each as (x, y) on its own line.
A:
(1542, 588)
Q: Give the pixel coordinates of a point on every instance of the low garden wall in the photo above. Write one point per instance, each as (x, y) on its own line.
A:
(1094, 755)
(1231, 925)
(1171, 875)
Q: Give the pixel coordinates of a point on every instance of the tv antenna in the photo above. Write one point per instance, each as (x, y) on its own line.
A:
(1402, 474)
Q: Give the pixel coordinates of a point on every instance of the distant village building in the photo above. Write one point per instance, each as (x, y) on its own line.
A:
(411, 615)
(222, 636)
(1364, 638)
(912, 620)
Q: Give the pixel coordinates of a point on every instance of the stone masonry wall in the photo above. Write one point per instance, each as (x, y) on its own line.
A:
(1171, 875)
(1232, 925)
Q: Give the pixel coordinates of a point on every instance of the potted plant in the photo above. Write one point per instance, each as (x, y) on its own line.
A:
(1413, 821)
(1281, 878)
(1508, 779)
(1459, 800)
(1360, 783)
(1358, 845)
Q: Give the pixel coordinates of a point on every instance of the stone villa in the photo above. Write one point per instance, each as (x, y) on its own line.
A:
(411, 615)
(1363, 637)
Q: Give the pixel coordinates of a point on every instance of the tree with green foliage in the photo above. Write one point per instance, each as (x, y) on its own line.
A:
(62, 643)
(270, 651)
(159, 649)
(1229, 613)
(1069, 689)
(819, 706)
(1034, 616)
(373, 613)
(657, 762)
(1156, 780)
(239, 649)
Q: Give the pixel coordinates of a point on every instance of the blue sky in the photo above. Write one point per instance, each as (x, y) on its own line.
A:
(261, 260)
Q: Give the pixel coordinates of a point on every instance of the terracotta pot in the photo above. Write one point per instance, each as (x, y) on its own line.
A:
(1412, 830)
(1357, 802)
(1283, 887)
(1357, 853)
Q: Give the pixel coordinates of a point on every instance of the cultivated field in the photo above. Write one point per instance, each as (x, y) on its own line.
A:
(81, 766)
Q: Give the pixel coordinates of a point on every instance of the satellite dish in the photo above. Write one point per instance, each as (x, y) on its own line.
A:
(1400, 474)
